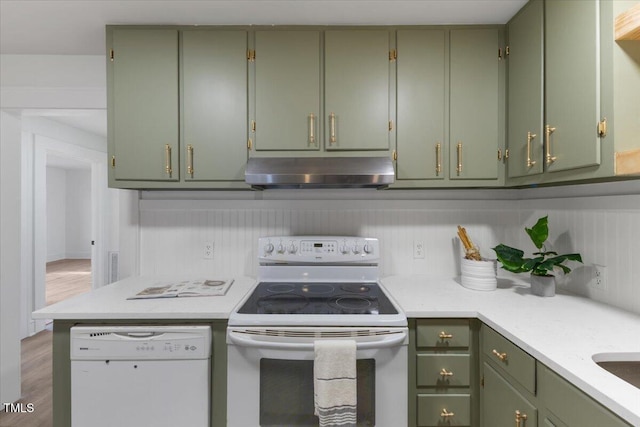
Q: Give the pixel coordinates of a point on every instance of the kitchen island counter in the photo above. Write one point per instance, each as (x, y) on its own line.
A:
(110, 302)
(562, 332)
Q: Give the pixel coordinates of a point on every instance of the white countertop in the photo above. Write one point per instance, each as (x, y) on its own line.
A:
(562, 332)
(110, 302)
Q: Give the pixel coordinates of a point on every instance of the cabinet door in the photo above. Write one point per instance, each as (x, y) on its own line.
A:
(144, 107)
(357, 90)
(474, 104)
(501, 401)
(287, 99)
(525, 91)
(214, 105)
(421, 104)
(572, 83)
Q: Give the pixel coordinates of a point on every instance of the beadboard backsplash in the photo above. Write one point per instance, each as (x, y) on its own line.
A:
(604, 229)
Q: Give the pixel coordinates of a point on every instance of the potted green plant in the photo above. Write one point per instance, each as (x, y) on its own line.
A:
(543, 263)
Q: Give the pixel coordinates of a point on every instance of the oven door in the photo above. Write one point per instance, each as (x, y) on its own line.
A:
(270, 375)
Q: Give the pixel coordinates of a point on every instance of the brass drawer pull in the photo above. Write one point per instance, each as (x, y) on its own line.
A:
(501, 356)
(167, 159)
(548, 130)
(446, 414)
(332, 128)
(446, 373)
(530, 136)
(445, 336)
(521, 419)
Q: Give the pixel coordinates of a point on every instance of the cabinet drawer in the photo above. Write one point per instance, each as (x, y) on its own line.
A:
(443, 333)
(510, 358)
(436, 370)
(439, 410)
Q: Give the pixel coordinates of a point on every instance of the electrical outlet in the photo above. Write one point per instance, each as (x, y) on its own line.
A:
(418, 249)
(599, 277)
(207, 250)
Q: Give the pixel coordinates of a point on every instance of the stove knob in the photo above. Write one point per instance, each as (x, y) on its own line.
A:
(293, 248)
(268, 248)
(280, 248)
(356, 249)
(368, 248)
(344, 249)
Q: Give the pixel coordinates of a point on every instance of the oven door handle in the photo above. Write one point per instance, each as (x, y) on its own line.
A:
(388, 341)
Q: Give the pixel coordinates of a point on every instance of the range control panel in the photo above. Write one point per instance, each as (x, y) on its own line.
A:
(136, 342)
(318, 249)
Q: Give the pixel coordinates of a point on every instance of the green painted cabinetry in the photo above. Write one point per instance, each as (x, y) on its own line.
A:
(443, 386)
(214, 105)
(519, 390)
(421, 91)
(525, 131)
(287, 90)
(475, 108)
(143, 105)
(572, 84)
(357, 98)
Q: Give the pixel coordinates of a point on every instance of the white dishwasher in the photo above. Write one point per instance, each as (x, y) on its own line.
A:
(133, 376)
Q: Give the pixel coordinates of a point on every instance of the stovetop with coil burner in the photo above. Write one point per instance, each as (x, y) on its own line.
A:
(364, 298)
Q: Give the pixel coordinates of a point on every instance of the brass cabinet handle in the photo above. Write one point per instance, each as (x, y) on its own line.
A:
(521, 419)
(445, 336)
(446, 414)
(459, 151)
(501, 356)
(445, 373)
(167, 159)
(312, 128)
(548, 130)
(190, 160)
(332, 128)
(530, 136)
(438, 159)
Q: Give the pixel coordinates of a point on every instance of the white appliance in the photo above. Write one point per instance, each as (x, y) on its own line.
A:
(132, 376)
(313, 288)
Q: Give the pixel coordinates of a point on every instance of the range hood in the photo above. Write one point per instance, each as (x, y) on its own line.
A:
(319, 172)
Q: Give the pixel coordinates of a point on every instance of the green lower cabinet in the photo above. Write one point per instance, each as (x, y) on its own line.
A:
(565, 405)
(437, 370)
(444, 410)
(503, 405)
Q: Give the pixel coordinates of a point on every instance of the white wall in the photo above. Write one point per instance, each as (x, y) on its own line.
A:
(10, 272)
(56, 200)
(174, 227)
(68, 214)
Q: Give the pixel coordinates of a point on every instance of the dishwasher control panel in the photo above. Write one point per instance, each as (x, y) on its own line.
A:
(140, 342)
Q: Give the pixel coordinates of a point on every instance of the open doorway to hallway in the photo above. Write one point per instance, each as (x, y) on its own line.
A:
(69, 228)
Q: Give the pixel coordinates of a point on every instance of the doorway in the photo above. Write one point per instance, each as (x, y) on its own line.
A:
(69, 226)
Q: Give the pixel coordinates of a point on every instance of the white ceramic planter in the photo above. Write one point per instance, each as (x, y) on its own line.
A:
(543, 286)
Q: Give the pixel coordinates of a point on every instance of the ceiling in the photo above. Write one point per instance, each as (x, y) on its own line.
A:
(76, 27)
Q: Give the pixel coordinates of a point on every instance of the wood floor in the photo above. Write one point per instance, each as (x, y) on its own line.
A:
(65, 278)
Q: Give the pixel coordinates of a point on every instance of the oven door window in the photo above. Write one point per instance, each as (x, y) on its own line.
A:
(286, 393)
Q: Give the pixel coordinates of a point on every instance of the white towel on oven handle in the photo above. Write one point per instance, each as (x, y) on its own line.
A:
(335, 382)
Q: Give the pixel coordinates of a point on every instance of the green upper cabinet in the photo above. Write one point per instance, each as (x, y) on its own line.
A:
(572, 84)
(214, 105)
(525, 91)
(287, 90)
(421, 90)
(143, 107)
(474, 104)
(357, 90)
